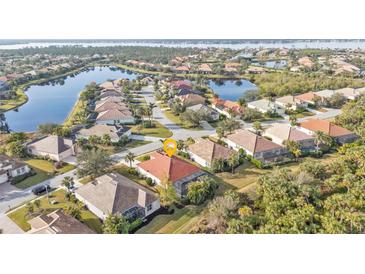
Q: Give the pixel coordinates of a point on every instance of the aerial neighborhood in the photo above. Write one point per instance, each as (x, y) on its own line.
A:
(252, 126)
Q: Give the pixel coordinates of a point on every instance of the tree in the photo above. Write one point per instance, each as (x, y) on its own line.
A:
(93, 162)
(150, 108)
(116, 224)
(293, 120)
(233, 161)
(68, 182)
(229, 125)
(337, 100)
(37, 203)
(201, 190)
(130, 158)
(257, 127)
(30, 208)
(106, 140)
(321, 138)
(16, 149)
(74, 212)
(293, 147)
(167, 192)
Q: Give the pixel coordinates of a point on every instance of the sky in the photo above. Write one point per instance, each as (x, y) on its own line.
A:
(190, 19)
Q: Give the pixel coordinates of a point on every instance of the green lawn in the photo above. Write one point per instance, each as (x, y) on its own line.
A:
(44, 170)
(123, 170)
(158, 131)
(20, 216)
(176, 120)
(182, 221)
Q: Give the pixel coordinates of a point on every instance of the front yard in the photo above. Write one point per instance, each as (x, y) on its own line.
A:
(44, 170)
(21, 217)
(157, 131)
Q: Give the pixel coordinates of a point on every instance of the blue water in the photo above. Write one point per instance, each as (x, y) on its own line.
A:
(272, 64)
(51, 103)
(229, 90)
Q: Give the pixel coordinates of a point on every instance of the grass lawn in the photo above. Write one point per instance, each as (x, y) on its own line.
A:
(123, 170)
(176, 120)
(158, 131)
(304, 114)
(20, 216)
(182, 221)
(44, 170)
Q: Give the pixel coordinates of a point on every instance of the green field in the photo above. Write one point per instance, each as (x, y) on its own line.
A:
(158, 131)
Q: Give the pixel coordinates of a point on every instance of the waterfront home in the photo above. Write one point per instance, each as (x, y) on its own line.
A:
(280, 133)
(204, 68)
(108, 85)
(191, 99)
(182, 84)
(266, 106)
(214, 115)
(113, 131)
(104, 105)
(54, 147)
(109, 93)
(255, 70)
(227, 107)
(114, 194)
(162, 168)
(115, 116)
(339, 134)
(310, 98)
(10, 168)
(204, 151)
(57, 222)
(290, 102)
(3, 86)
(186, 91)
(254, 145)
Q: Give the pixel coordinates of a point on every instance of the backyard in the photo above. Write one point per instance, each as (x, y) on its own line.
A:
(20, 216)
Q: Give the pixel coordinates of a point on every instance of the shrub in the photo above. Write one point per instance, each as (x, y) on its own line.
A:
(132, 170)
(145, 157)
(183, 154)
(149, 181)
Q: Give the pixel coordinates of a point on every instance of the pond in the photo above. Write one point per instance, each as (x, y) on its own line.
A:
(276, 64)
(53, 101)
(231, 89)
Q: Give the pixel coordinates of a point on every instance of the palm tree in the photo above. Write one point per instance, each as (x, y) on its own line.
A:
(257, 127)
(68, 182)
(233, 161)
(130, 158)
(242, 102)
(322, 138)
(293, 147)
(293, 120)
(150, 107)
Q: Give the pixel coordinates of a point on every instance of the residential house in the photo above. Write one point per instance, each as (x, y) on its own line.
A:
(340, 134)
(204, 151)
(10, 168)
(349, 93)
(182, 84)
(309, 98)
(204, 68)
(115, 116)
(306, 62)
(255, 145)
(290, 102)
(182, 69)
(54, 147)
(255, 70)
(191, 99)
(326, 93)
(185, 91)
(161, 168)
(113, 131)
(104, 105)
(113, 193)
(204, 108)
(227, 107)
(57, 222)
(280, 133)
(265, 106)
(108, 85)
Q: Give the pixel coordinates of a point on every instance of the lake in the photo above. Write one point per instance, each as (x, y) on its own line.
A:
(275, 64)
(230, 89)
(52, 102)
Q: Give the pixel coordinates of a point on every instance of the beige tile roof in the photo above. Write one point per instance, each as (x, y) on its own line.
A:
(113, 193)
(114, 114)
(51, 144)
(251, 142)
(100, 130)
(286, 132)
(209, 150)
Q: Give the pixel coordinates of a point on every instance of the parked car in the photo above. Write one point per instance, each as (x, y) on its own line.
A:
(38, 190)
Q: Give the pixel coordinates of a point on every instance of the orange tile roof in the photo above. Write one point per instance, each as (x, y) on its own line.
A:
(163, 167)
(325, 126)
(308, 96)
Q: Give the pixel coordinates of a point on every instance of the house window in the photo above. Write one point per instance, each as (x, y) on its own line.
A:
(149, 207)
